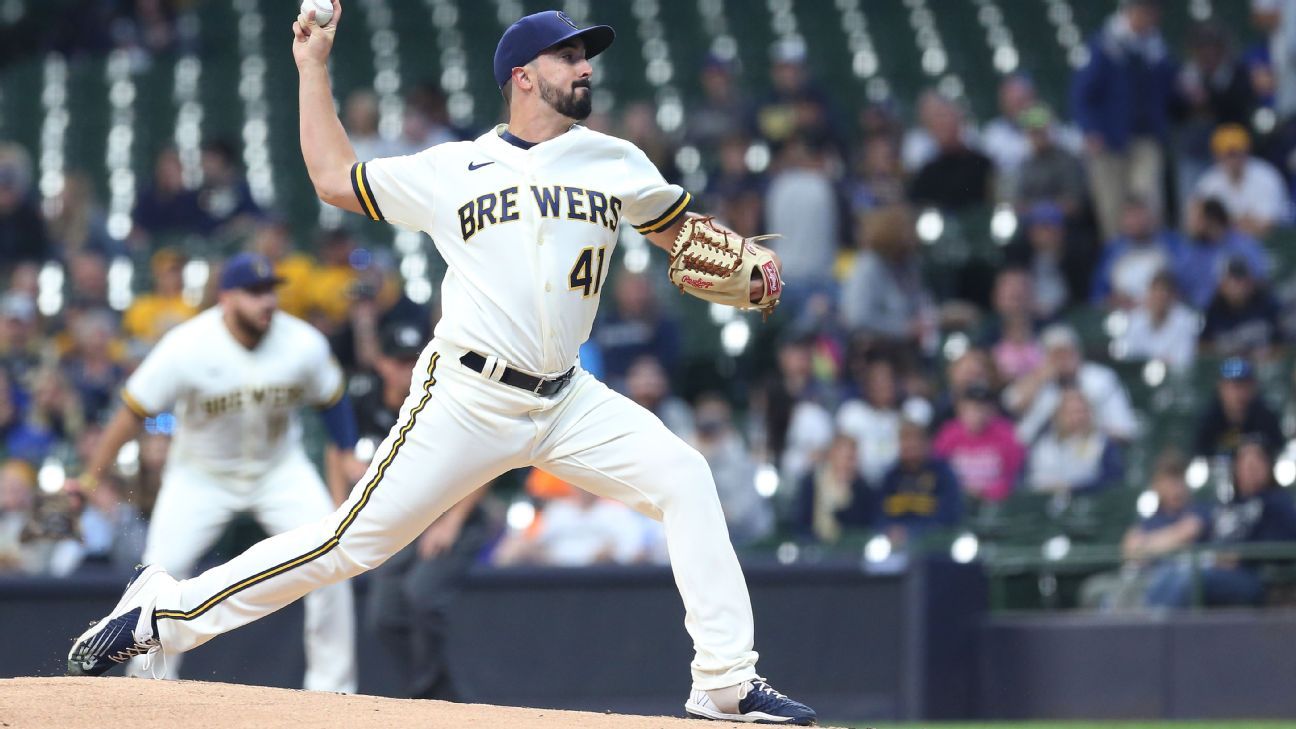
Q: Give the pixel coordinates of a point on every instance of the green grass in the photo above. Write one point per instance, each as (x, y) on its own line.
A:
(1096, 725)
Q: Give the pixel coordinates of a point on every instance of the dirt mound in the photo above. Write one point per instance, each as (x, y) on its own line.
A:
(81, 703)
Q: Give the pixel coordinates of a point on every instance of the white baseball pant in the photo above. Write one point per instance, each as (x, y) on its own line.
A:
(193, 508)
(458, 430)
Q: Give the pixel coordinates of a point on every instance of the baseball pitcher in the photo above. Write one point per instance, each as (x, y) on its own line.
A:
(526, 216)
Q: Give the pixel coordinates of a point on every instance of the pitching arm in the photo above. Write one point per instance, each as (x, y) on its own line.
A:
(328, 153)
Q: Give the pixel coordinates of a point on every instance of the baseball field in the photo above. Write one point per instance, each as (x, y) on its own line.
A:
(82, 703)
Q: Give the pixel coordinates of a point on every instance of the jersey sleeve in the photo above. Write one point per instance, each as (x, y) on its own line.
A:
(154, 386)
(397, 189)
(325, 382)
(651, 204)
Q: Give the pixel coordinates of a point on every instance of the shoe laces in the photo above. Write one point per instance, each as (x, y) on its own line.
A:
(765, 688)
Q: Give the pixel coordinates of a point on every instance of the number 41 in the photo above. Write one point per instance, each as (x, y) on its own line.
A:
(584, 275)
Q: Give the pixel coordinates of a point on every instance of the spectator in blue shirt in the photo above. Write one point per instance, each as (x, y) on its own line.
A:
(1260, 511)
(1214, 242)
(1121, 100)
(1176, 524)
(635, 326)
(1130, 260)
(920, 492)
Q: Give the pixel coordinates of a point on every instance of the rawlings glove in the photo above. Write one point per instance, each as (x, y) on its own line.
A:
(716, 265)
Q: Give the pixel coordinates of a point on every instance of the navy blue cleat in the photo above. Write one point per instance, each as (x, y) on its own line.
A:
(756, 703)
(125, 632)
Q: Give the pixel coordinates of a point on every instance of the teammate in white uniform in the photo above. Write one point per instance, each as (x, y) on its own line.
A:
(526, 216)
(235, 377)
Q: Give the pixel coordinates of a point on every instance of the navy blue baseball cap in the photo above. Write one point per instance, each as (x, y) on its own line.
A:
(524, 40)
(247, 271)
(1236, 369)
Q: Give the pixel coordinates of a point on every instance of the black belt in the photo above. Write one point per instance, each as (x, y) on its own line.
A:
(542, 386)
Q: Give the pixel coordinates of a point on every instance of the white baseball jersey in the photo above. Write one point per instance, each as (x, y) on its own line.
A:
(527, 234)
(235, 408)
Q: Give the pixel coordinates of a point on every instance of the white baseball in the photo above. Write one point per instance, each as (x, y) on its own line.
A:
(323, 11)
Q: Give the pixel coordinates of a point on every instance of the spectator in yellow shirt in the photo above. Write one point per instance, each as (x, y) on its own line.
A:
(152, 315)
(273, 240)
(333, 287)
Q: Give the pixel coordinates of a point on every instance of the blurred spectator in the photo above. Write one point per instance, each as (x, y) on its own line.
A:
(17, 498)
(734, 192)
(1214, 242)
(112, 529)
(377, 302)
(426, 122)
(1259, 510)
(1253, 192)
(1161, 328)
(973, 368)
(360, 117)
(795, 105)
(1044, 251)
(801, 205)
(1120, 99)
(1035, 398)
(273, 239)
(80, 221)
(879, 180)
(749, 515)
(333, 282)
(714, 118)
(225, 197)
(166, 206)
(48, 540)
(1130, 261)
(54, 414)
(1074, 455)
(577, 529)
(1048, 172)
(873, 420)
(919, 492)
(20, 340)
(1176, 524)
(1235, 412)
(639, 127)
(834, 497)
(87, 280)
(22, 231)
(153, 314)
(981, 446)
(956, 177)
(1277, 19)
(93, 366)
(1242, 319)
(1003, 138)
(646, 383)
(1012, 333)
(635, 325)
(919, 145)
(884, 296)
(793, 408)
(1214, 88)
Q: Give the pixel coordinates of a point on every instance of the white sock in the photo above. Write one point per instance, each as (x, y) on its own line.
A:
(726, 699)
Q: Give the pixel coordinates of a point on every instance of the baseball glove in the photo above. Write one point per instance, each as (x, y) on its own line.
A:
(716, 265)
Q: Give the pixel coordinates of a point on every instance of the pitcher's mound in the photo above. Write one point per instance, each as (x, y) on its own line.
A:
(132, 703)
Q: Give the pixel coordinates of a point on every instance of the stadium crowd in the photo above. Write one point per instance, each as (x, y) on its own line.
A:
(895, 395)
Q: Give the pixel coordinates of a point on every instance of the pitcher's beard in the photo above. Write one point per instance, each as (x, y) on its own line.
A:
(572, 105)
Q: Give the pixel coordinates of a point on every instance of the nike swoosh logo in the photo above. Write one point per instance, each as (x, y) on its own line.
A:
(472, 166)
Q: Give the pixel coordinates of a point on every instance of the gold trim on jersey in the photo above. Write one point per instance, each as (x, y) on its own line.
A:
(336, 397)
(332, 541)
(363, 192)
(134, 405)
(663, 221)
